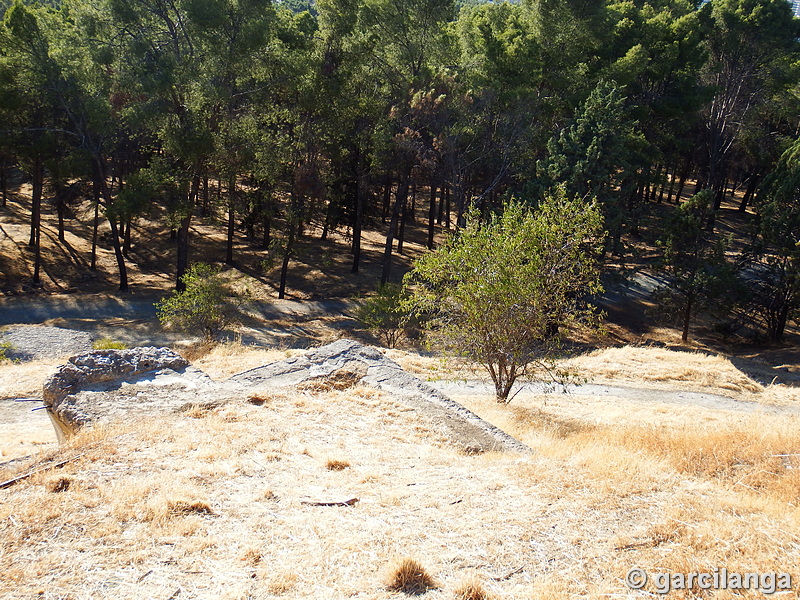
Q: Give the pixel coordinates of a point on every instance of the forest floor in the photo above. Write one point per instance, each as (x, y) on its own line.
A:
(321, 288)
(320, 271)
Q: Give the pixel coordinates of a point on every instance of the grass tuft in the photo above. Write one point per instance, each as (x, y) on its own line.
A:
(58, 485)
(107, 343)
(337, 465)
(282, 583)
(189, 507)
(252, 557)
(410, 577)
(258, 400)
(471, 590)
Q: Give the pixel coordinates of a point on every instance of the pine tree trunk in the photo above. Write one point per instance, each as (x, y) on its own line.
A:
(183, 237)
(411, 214)
(401, 195)
(387, 197)
(719, 193)
(206, 199)
(123, 270)
(126, 237)
(99, 180)
(751, 190)
(687, 317)
(37, 176)
(431, 216)
(671, 186)
(287, 254)
(328, 219)
(231, 219)
(682, 182)
(358, 219)
(36, 219)
(447, 208)
(287, 251)
(440, 212)
(3, 181)
(95, 225)
(267, 220)
(776, 335)
(401, 232)
(60, 210)
(663, 187)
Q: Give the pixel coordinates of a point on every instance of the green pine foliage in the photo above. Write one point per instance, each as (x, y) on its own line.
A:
(285, 116)
(594, 156)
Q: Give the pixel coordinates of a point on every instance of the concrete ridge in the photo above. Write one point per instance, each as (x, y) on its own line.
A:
(378, 371)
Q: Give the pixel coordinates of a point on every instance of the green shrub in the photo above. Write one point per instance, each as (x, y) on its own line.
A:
(205, 307)
(5, 348)
(505, 291)
(386, 314)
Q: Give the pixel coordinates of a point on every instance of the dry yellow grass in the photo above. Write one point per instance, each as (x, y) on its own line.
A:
(18, 380)
(210, 504)
(220, 361)
(687, 370)
(23, 432)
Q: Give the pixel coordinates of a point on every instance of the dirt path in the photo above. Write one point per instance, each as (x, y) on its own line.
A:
(622, 394)
(132, 319)
(26, 310)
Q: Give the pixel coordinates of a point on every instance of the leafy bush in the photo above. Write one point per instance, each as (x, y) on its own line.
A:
(386, 314)
(5, 348)
(206, 306)
(503, 292)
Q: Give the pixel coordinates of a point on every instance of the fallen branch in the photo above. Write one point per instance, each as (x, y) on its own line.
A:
(508, 575)
(347, 502)
(32, 472)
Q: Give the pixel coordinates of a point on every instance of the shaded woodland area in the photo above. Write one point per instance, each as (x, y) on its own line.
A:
(278, 123)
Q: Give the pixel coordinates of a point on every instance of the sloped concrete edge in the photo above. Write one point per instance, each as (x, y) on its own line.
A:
(467, 429)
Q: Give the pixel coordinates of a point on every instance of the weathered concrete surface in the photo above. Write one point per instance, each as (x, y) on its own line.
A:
(111, 385)
(372, 368)
(97, 366)
(114, 385)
